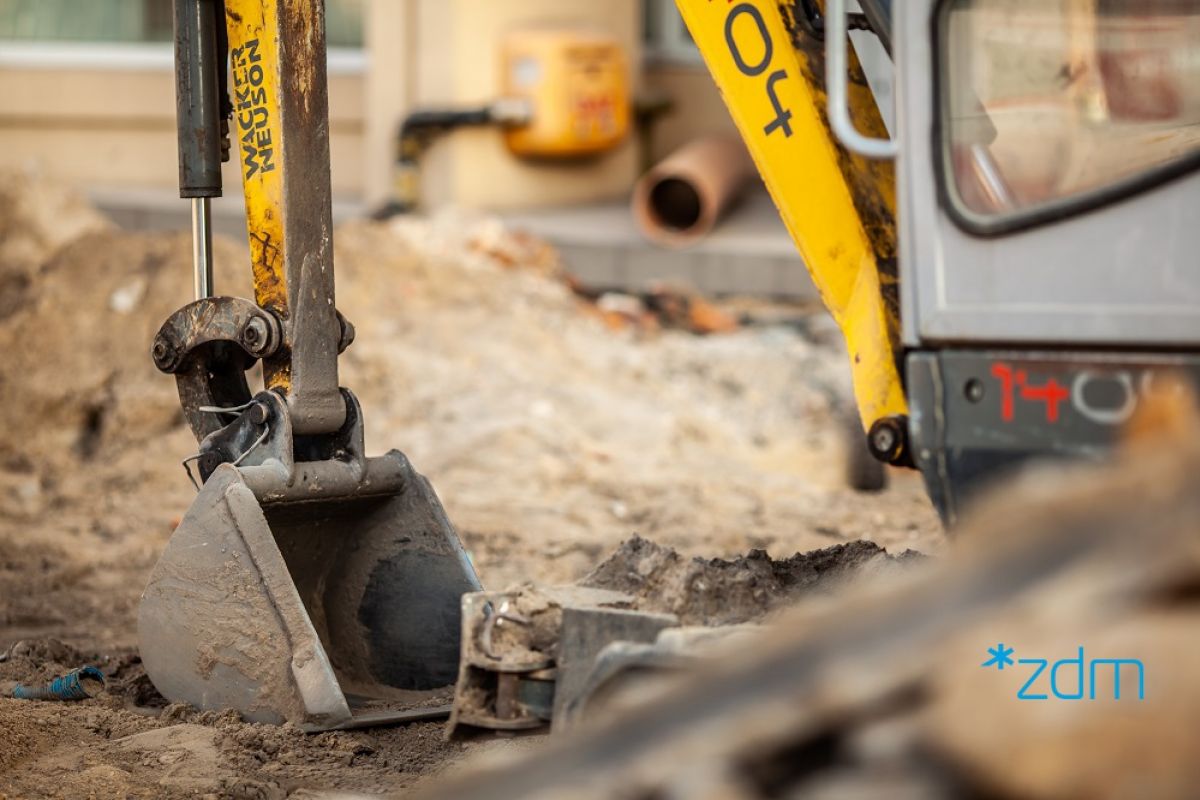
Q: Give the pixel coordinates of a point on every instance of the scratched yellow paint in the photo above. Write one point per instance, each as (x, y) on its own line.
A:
(760, 73)
(256, 127)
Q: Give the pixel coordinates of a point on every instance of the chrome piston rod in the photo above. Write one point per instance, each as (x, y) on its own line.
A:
(202, 258)
(200, 106)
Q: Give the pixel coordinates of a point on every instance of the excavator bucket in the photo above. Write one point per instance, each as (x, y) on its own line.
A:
(307, 592)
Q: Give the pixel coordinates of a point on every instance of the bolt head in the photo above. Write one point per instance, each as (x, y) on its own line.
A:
(973, 390)
(256, 336)
(259, 413)
(162, 353)
(883, 439)
(887, 439)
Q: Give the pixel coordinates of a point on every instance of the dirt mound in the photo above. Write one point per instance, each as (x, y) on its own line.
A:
(90, 433)
(714, 591)
(36, 219)
(38, 660)
(77, 381)
(550, 437)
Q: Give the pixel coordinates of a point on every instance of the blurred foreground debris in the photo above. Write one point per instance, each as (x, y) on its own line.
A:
(893, 694)
(534, 655)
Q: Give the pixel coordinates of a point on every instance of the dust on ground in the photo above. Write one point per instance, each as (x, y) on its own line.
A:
(550, 436)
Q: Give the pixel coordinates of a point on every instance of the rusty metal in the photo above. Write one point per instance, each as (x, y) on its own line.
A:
(506, 696)
(839, 208)
(871, 183)
(281, 119)
(292, 590)
(522, 671)
(203, 346)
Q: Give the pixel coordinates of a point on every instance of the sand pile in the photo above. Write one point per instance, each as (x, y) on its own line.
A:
(550, 436)
(37, 217)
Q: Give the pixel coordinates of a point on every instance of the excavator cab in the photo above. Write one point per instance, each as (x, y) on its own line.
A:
(1050, 261)
(1015, 263)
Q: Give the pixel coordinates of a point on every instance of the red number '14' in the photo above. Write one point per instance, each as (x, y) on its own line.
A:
(1014, 386)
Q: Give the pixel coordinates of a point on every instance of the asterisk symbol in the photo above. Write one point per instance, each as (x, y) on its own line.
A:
(1001, 657)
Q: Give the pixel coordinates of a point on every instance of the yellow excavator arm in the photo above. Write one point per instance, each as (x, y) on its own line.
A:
(767, 59)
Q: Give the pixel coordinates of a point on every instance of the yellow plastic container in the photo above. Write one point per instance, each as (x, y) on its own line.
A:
(577, 88)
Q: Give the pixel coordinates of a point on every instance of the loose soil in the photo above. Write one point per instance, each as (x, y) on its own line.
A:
(715, 591)
(552, 432)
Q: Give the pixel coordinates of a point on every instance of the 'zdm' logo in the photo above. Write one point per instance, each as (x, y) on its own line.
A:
(1078, 675)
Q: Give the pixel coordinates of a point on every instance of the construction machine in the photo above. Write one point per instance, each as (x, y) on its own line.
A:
(1012, 266)
(1016, 262)
(307, 582)
(1015, 268)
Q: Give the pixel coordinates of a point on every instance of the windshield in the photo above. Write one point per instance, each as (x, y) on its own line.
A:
(1046, 101)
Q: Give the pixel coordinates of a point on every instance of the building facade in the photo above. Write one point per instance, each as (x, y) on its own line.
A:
(86, 95)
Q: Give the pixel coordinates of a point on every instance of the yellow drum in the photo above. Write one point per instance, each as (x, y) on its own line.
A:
(577, 87)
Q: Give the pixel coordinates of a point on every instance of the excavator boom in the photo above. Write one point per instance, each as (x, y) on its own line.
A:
(840, 208)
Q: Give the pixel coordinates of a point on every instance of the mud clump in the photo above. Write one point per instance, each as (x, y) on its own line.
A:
(714, 591)
(33, 661)
(78, 384)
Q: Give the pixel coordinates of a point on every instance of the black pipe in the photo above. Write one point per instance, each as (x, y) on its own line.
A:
(200, 102)
(223, 96)
(417, 132)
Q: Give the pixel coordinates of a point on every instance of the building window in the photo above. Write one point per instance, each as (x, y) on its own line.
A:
(135, 21)
(665, 34)
(85, 20)
(344, 23)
